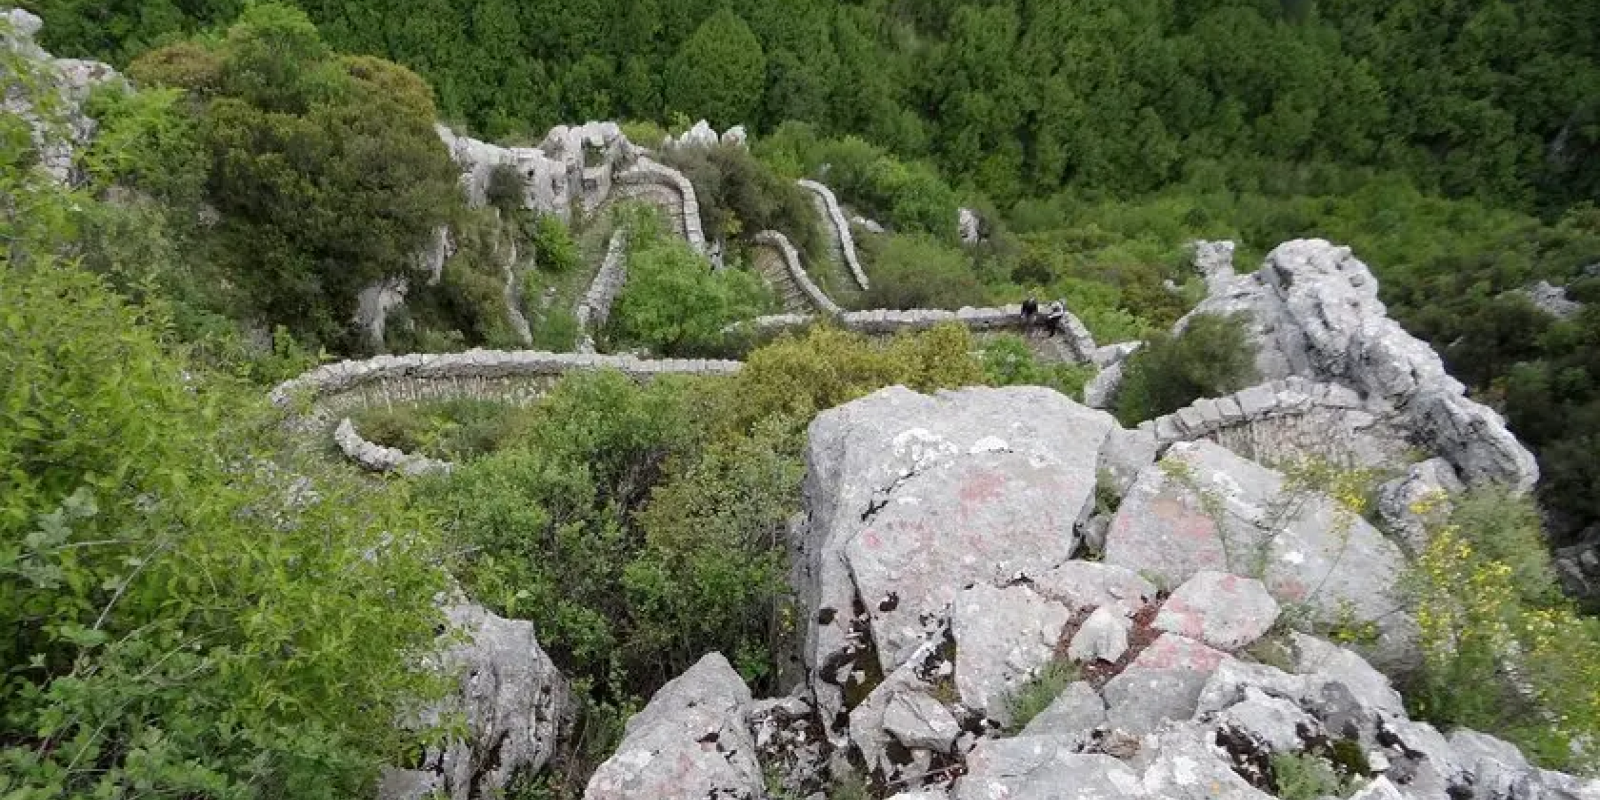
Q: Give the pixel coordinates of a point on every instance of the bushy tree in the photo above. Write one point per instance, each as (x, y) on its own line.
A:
(718, 73)
(918, 271)
(1211, 357)
(673, 302)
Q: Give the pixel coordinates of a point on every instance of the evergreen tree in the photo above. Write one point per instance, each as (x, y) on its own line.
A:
(718, 73)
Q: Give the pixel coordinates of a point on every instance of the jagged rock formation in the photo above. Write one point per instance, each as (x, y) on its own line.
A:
(935, 566)
(844, 244)
(66, 83)
(969, 226)
(516, 707)
(788, 277)
(556, 174)
(1314, 313)
(701, 134)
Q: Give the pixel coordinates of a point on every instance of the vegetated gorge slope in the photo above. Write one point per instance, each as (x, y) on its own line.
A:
(996, 592)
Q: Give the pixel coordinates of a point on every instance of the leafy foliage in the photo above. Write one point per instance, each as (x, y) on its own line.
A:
(1502, 650)
(1210, 358)
(673, 302)
(1034, 696)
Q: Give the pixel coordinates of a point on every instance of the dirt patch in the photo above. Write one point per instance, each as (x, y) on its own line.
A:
(1098, 673)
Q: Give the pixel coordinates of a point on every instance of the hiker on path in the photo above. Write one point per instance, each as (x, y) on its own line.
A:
(1030, 309)
(1058, 313)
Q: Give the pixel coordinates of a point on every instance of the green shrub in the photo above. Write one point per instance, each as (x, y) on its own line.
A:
(1210, 358)
(176, 621)
(505, 190)
(555, 330)
(553, 248)
(1033, 697)
(1486, 611)
(918, 271)
(1008, 361)
(673, 302)
(739, 196)
(1305, 776)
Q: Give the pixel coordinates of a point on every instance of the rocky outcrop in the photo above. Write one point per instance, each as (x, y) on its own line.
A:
(689, 743)
(1314, 312)
(1552, 300)
(843, 241)
(877, 559)
(969, 226)
(373, 305)
(934, 566)
(701, 134)
(1205, 508)
(573, 165)
(49, 98)
(515, 705)
(794, 275)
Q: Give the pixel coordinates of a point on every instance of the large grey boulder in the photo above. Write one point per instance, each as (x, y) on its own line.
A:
(1222, 610)
(1088, 585)
(1313, 312)
(1040, 767)
(689, 743)
(1002, 637)
(1075, 713)
(515, 703)
(1163, 683)
(911, 498)
(1204, 508)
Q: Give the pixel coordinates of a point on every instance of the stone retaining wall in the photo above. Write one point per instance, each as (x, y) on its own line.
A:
(646, 172)
(1283, 419)
(1075, 345)
(377, 458)
(595, 306)
(797, 273)
(841, 229)
(510, 375)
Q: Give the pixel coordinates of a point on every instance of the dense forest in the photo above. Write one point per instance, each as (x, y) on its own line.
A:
(276, 158)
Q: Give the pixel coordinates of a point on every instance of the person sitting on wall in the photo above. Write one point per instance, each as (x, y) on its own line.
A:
(1058, 313)
(1030, 309)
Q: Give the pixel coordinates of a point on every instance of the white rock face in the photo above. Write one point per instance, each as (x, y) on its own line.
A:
(690, 742)
(64, 82)
(969, 226)
(1314, 313)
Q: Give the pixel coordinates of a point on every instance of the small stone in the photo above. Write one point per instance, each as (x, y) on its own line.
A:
(1103, 637)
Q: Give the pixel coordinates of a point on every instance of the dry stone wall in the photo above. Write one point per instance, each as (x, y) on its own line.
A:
(514, 376)
(796, 273)
(644, 175)
(595, 306)
(842, 238)
(1284, 419)
(1075, 345)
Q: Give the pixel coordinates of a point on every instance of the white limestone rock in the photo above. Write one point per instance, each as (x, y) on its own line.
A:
(1225, 611)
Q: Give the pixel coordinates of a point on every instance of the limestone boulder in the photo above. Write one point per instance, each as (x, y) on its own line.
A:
(1419, 500)
(1204, 508)
(913, 498)
(50, 102)
(515, 702)
(1163, 683)
(1074, 714)
(1222, 610)
(690, 742)
(1102, 637)
(1039, 767)
(1002, 638)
